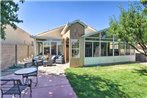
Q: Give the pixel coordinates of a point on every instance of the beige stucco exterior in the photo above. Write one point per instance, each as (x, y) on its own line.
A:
(76, 62)
(66, 33)
(76, 31)
(17, 36)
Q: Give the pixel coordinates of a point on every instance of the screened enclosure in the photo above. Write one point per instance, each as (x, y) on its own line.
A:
(100, 45)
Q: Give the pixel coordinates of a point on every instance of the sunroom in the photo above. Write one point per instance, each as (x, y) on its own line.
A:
(102, 48)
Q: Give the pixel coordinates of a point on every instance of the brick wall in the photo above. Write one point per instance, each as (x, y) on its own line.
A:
(11, 53)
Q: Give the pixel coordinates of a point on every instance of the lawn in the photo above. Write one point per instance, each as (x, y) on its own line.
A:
(115, 81)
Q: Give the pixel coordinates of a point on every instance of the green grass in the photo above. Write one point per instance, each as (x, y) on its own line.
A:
(116, 81)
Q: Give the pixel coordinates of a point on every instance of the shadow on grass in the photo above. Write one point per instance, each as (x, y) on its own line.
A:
(142, 71)
(87, 86)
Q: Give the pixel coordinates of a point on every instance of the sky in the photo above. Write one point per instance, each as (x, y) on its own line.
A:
(41, 16)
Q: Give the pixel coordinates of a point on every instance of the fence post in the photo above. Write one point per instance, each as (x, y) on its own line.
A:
(15, 53)
(28, 50)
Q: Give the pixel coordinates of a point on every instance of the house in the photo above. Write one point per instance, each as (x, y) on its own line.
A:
(82, 45)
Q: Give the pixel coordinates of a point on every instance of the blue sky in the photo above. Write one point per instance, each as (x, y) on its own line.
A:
(40, 16)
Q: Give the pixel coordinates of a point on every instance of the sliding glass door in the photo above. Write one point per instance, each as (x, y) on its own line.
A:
(49, 48)
(54, 48)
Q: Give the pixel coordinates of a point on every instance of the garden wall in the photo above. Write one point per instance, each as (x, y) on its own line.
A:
(12, 53)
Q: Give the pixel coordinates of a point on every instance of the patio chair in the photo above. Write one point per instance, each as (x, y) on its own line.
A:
(34, 74)
(52, 58)
(60, 59)
(50, 62)
(14, 87)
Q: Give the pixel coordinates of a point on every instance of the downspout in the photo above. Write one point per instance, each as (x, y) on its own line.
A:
(35, 47)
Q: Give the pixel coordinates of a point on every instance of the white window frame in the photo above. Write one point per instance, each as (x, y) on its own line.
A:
(75, 40)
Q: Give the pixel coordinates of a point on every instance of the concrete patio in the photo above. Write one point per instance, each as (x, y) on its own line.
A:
(51, 85)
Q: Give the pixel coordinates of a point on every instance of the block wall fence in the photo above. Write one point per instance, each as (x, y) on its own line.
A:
(12, 53)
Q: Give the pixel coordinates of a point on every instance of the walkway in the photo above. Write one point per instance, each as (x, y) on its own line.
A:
(57, 69)
(49, 86)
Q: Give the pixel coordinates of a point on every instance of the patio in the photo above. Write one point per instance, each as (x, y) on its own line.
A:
(52, 83)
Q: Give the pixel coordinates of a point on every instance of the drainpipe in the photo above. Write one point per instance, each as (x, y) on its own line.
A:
(35, 47)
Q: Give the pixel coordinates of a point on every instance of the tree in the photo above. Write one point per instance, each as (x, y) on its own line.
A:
(144, 2)
(131, 26)
(9, 15)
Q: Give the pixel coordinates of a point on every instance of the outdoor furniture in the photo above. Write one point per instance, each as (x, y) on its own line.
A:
(14, 87)
(48, 63)
(36, 58)
(36, 64)
(52, 58)
(27, 72)
(60, 59)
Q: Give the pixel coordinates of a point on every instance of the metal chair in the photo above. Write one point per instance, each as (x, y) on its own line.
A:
(14, 87)
(34, 74)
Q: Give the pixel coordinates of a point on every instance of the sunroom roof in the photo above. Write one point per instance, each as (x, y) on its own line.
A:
(93, 33)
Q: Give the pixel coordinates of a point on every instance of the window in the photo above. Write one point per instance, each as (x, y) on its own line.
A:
(104, 49)
(39, 48)
(127, 49)
(110, 49)
(132, 51)
(75, 48)
(53, 48)
(122, 49)
(106, 46)
(116, 51)
(96, 50)
(88, 49)
(60, 48)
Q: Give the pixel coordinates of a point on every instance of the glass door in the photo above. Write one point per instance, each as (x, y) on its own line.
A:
(47, 50)
(54, 50)
(39, 48)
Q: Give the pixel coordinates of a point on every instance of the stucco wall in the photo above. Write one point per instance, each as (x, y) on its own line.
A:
(18, 36)
(108, 59)
(76, 31)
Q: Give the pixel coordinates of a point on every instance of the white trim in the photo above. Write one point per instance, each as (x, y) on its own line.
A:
(64, 29)
(74, 40)
(77, 21)
(108, 59)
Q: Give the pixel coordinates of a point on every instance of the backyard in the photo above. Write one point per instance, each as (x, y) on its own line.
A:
(113, 81)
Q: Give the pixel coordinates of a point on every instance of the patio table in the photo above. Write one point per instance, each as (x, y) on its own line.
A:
(25, 71)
